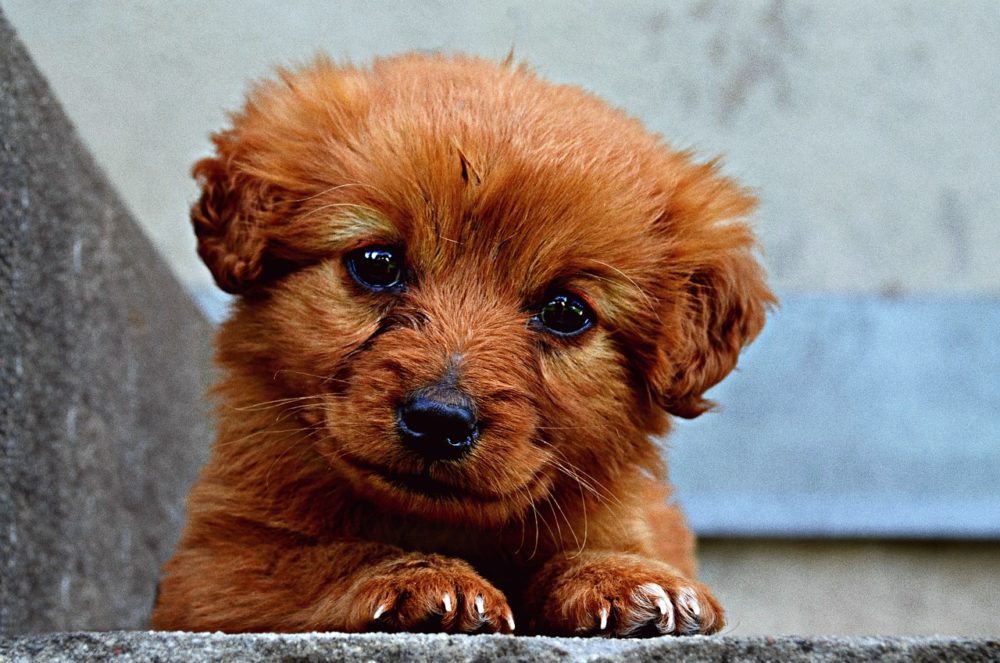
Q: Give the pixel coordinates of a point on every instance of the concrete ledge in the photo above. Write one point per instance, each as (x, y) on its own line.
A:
(153, 646)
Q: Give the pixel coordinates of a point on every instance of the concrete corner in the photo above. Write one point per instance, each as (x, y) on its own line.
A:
(103, 365)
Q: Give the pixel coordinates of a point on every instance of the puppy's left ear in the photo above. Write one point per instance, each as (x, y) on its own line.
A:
(236, 216)
(720, 298)
(229, 236)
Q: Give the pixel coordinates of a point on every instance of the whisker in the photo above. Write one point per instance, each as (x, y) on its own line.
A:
(643, 293)
(324, 378)
(267, 405)
(263, 431)
(555, 517)
(534, 510)
(520, 516)
(288, 448)
(295, 410)
(569, 524)
(575, 472)
(573, 475)
(337, 187)
(586, 523)
(358, 206)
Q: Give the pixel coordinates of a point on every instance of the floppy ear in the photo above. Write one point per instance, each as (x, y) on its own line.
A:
(266, 165)
(721, 298)
(230, 219)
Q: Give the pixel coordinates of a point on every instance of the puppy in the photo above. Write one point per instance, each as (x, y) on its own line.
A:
(467, 299)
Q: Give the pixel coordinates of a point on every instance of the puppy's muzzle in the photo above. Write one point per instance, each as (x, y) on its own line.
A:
(439, 423)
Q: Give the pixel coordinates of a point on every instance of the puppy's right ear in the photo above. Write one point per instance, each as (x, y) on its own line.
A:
(719, 297)
(230, 219)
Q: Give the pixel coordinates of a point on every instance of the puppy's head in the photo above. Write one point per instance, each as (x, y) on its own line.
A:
(491, 288)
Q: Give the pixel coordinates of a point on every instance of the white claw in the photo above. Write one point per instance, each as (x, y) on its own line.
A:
(690, 601)
(510, 621)
(379, 611)
(480, 605)
(661, 604)
(446, 599)
(604, 618)
(671, 622)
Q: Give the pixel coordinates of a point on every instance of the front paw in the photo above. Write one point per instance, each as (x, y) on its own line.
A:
(623, 595)
(426, 593)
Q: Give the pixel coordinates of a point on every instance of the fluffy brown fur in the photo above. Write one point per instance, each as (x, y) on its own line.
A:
(498, 188)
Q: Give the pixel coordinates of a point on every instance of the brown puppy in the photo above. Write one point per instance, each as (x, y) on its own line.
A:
(467, 300)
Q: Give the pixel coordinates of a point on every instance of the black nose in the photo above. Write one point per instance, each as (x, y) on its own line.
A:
(437, 427)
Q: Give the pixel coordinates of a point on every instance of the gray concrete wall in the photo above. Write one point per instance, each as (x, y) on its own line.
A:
(868, 129)
(104, 359)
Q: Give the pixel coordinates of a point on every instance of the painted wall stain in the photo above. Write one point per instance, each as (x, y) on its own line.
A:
(954, 221)
(758, 61)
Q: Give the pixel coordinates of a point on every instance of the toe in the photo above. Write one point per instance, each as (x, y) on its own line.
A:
(697, 613)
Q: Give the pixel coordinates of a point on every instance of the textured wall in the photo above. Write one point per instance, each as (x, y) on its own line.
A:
(774, 587)
(853, 416)
(869, 129)
(103, 361)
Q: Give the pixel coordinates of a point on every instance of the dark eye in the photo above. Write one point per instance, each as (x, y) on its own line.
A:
(376, 267)
(566, 315)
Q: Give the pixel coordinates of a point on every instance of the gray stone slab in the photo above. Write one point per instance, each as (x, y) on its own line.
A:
(853, 416)
(408, 648)
(103, 364)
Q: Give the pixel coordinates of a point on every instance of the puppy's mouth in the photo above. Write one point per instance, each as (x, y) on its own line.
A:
(426, 486)
(423, 484)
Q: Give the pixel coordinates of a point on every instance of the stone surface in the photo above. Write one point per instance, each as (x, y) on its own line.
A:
(103, 364)
(203, 648)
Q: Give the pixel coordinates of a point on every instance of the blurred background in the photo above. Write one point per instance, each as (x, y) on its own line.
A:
(851, 481)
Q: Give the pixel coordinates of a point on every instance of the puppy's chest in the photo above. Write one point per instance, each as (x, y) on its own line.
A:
(485, 549)
(431, 537)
